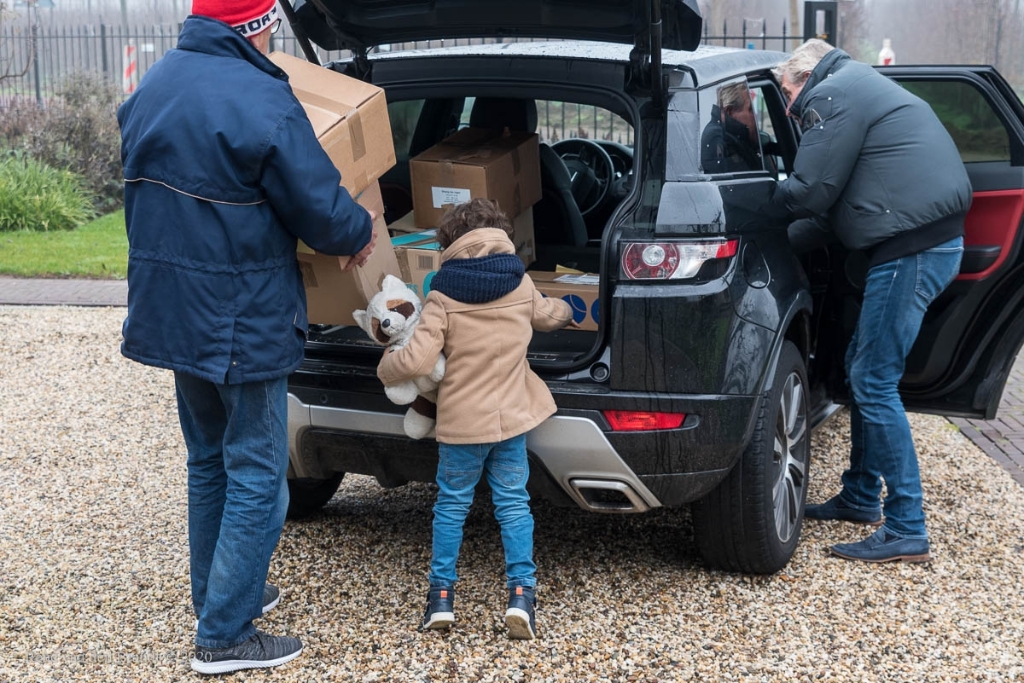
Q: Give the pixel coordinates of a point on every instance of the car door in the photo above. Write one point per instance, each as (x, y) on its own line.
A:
(972, 333)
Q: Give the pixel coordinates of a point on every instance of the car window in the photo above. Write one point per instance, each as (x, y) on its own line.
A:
(770, 117)
(967, 115)
(561, 120)
(730, 137)
(404, 116)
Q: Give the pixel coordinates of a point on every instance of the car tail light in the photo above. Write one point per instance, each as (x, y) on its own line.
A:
(672, 260)
(642, 421)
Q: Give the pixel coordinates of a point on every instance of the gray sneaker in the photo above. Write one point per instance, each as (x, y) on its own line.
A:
(262, 651)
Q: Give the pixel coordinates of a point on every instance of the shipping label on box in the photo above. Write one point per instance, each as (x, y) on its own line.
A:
(474, 163)
(331, 294)
(580, 291)
(349, 117)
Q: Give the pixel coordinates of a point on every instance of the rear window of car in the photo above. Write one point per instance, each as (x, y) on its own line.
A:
(978, 132)
(562, 120)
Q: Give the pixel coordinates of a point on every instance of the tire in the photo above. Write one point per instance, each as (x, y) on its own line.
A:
(308, 496)
(751, 522)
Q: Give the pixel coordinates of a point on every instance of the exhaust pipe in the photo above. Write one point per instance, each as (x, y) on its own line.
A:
(606, 495)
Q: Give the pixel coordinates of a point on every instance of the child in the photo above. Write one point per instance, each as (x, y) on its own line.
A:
(481, 312)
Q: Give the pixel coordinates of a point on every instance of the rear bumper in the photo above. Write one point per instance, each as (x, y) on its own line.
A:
(572, 458)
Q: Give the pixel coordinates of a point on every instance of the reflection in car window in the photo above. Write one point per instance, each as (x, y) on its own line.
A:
(730, 142)
(404, 116)
(562, 120)
(963, 110)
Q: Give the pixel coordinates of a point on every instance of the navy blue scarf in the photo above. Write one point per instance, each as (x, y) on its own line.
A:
(479, 280)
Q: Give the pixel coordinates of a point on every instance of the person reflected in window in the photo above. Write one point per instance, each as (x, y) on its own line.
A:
(730, 143)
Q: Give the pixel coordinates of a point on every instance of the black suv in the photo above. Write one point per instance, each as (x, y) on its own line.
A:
(718, 348)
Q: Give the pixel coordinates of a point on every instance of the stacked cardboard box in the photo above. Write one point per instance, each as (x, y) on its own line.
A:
(472, 163)
(333, 293)
(350, 119)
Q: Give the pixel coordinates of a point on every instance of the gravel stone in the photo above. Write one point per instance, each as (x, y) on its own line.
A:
(94, 561)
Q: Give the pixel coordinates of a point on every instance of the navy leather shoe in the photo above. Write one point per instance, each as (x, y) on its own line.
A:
(521, 616)
(884, 547)
(835, 508)
(440, 612)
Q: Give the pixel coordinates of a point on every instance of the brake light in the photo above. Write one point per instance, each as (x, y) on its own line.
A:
(672, 260)
(642, 421)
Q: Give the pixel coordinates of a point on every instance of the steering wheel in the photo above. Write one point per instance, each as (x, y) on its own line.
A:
(590, 171)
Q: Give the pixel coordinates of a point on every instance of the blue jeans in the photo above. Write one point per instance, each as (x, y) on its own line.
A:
(237, 441)
(458, 471)
(896, 295)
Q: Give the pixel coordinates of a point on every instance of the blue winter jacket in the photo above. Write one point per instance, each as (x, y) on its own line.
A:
(222, 173)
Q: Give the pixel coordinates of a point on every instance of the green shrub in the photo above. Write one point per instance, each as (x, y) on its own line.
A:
(34, 196)
(78, 132)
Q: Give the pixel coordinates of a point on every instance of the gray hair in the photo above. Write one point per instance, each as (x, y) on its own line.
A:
(803, 60)
(734, 96)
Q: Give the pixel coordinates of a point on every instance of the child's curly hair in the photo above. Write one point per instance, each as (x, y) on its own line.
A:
(463, 218)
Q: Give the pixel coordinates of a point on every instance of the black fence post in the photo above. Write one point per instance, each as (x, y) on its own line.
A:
(103, 50)
(35, 64)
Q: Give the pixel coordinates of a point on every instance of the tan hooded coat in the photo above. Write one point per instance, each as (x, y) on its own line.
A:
(488, 393)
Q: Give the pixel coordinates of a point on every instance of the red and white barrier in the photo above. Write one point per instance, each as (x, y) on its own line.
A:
(130, 77)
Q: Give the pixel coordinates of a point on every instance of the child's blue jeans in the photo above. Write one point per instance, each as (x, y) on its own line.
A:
(458, 471)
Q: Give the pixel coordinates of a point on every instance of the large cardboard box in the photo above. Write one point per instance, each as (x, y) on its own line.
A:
(476, 162)
(349, 117)
(332, 295)
(581, 291)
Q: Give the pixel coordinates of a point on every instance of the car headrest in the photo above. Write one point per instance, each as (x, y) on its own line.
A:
(504, 112)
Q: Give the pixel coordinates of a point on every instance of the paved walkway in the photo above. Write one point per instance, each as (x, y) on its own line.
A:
(1001, 438)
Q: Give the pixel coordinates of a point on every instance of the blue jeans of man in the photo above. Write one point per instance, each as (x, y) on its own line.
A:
(236, 435)
(458, 471)
(896, 295)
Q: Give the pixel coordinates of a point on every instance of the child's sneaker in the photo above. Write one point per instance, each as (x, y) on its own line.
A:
(440, 612)
(519, 617)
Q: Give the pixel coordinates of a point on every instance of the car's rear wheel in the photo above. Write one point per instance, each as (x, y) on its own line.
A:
(308, 496)
(751, 522)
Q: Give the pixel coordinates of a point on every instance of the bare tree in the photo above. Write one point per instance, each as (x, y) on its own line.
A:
(9, 62)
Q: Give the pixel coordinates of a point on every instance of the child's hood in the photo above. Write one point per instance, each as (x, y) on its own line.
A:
(478, 243)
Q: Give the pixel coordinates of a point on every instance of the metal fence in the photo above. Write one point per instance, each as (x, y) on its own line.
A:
(36, 60)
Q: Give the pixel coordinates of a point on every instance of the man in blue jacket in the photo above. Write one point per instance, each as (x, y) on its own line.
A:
(878, 168)
(222, 174)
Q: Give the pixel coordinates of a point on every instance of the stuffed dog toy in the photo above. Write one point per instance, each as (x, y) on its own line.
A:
(389, 319)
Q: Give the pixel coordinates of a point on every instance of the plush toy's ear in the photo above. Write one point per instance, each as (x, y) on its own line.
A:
(394, 287)
(363, 320)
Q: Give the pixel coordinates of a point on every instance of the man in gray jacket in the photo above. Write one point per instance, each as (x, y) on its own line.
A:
(877, 168)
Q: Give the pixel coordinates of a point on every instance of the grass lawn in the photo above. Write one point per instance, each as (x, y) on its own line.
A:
(98, 250)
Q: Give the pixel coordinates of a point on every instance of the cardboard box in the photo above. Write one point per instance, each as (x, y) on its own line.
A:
(332, 295)
(419, 258)
(522, 234)
(349, 117)
(475, 162)
(581, 291)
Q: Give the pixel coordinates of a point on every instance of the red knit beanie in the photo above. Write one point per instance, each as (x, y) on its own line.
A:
(248, 17)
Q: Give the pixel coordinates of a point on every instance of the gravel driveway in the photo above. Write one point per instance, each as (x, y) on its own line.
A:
(94, 571)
